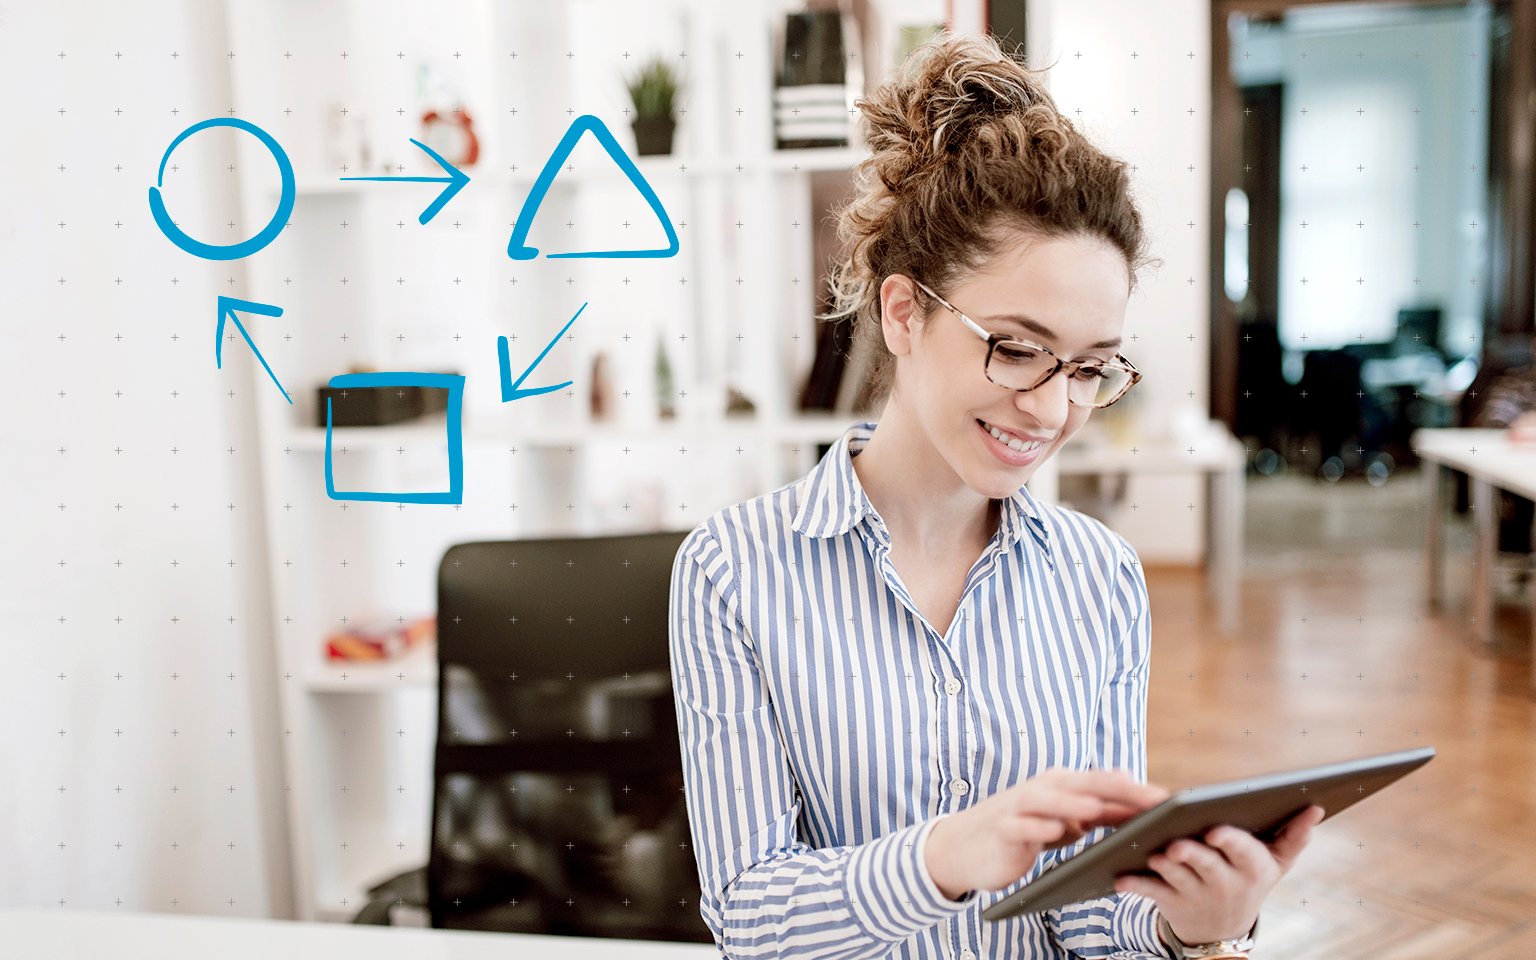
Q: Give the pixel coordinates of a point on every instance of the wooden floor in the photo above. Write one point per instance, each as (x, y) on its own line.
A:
(1339, 656)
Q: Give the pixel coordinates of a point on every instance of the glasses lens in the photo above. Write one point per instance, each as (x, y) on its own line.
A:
(1018, 366)
(1095, 385)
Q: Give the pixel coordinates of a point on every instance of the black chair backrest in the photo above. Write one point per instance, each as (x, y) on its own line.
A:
(1330, 380)
(557, 777)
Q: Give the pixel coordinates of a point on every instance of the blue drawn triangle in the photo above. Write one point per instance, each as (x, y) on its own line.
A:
(518, 250)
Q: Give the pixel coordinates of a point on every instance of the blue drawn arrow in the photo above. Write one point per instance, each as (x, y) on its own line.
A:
(227, 308)
(455, 180)
(511, 390)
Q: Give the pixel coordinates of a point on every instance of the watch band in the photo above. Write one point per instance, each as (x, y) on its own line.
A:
(1235, 949)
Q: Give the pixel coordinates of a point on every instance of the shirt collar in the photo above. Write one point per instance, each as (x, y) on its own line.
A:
(832, 501)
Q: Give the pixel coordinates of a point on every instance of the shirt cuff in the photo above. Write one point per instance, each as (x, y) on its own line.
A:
(1143, 915)
(890, 892)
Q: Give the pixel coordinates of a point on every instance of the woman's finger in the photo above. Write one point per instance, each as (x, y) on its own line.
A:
(1060, 804)
(1152, 887)
(1243, 850)
(1208, 863)
(1116, 812)
(1177, 875)
(1117, 784)
(1032, 829)
(1298, 830)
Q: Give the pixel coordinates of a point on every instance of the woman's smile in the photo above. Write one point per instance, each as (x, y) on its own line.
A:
(1008, 447)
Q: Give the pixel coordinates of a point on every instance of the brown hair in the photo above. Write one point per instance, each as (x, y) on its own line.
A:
(966, 140)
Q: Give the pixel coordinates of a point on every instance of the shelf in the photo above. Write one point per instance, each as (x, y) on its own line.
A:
(804, 160)
(406, 433)
(418, 668)
(652, 167)
(319, 185)
(803, 428)
(812, 159)
(814, 427)
(1211, 449)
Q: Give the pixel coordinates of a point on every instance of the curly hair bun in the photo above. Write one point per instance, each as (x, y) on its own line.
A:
(963, 139)
(957, 96)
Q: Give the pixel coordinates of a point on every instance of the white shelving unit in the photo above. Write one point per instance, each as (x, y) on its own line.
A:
(363, 283)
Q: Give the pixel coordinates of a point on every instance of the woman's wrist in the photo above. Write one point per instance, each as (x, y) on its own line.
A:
(936, 860)
(1177, 942)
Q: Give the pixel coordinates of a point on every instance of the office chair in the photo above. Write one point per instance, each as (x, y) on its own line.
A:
(557, 777)
(1327, 405)
(1264, 397)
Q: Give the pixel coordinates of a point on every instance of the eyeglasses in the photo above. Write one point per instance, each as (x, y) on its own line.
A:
(1021, 365)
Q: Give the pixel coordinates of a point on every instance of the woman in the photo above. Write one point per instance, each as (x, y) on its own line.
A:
(904, 686)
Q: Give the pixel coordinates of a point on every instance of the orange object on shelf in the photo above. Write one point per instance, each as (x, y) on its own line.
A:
(380, 639)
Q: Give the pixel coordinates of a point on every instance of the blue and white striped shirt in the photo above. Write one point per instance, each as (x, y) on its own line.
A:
(825, 725)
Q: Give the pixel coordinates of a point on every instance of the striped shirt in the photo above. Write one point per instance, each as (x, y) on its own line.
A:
(825, 724)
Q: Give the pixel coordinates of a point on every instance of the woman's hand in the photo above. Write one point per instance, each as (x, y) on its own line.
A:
(1213, 890)
(994, 843)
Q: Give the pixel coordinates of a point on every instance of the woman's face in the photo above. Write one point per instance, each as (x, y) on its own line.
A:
(1074, 288)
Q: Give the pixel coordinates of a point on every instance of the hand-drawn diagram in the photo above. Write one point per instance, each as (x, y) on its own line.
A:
(518, 250)
(455, 386)
(455, 181)
(513, 391)
(227, 308)
(244, 248)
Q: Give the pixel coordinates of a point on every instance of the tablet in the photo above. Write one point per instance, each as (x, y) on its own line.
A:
(1261, 805)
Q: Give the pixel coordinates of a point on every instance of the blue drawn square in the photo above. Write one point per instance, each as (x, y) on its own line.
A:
(455, 386)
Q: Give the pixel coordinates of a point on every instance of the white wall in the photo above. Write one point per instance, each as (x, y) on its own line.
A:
(147, 610)
(135, 603)
(1089, 47)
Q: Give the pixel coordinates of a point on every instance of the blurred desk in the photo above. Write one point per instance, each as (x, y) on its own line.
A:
(1212, 451)
(1491, 462)
(47, 934)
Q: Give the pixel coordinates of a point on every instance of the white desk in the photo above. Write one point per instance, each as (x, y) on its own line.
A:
(1491, 462)
(1224, 461)
(48, 934)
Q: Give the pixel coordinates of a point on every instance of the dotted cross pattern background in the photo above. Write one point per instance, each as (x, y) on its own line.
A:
(169, 551)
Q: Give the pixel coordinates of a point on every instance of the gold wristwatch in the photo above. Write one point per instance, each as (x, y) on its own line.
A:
(1216, 950)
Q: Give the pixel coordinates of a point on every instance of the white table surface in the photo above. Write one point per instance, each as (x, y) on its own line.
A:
(1491, 462)
(1212, 448)
(1486, 454)
(1212, 451)
(63, 934)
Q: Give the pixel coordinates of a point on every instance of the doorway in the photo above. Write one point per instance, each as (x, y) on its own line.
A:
(1362, 233)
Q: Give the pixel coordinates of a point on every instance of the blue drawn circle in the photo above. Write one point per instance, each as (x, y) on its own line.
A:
(233, 251)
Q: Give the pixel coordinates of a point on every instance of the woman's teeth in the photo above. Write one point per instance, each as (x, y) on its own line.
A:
(1011, 440)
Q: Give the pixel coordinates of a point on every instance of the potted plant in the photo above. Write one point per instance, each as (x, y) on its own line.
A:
(653, 92)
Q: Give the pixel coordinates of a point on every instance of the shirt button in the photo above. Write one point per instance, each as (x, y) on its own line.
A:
(959, 788)
(952, 686)
(967, 955)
